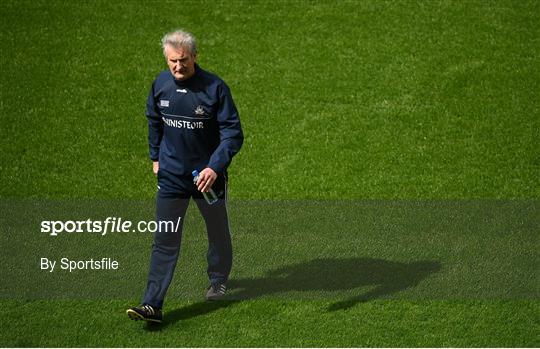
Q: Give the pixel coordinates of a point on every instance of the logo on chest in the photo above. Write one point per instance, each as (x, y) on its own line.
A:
(200, 111)
(164, 103)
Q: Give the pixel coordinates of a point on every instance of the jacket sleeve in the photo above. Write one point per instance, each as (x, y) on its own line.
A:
(230, 132)
(155, 125)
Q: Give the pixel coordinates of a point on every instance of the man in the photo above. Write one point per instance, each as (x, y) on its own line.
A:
(193, 124)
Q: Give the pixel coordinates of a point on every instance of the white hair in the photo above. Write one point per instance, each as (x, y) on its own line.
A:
(179, 39)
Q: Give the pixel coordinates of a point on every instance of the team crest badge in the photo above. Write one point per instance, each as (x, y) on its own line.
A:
(199, 111)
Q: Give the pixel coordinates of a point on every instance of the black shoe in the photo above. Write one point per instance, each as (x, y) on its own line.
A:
(215, 292)
(145, 312)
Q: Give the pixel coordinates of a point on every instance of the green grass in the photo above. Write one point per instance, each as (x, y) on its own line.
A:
(370, 99)
(369, 127)
(272, 323)
(346, 251)
(306, 273)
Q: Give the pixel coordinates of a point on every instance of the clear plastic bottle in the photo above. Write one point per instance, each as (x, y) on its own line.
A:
(209, 196)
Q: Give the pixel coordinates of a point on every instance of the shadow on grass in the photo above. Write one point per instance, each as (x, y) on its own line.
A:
(322, 274)
(338, 274)
(188, 312)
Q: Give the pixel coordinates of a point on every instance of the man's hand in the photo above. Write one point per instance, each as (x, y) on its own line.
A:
(155, 167)
(207, 177)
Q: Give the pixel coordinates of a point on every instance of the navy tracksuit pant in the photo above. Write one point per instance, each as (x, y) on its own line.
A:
(174, 193)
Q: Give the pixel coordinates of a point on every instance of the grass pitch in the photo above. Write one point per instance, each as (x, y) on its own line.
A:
(276, 323)
(408, 102)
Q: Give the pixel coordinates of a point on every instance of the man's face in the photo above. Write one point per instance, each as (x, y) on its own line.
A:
(181, 62)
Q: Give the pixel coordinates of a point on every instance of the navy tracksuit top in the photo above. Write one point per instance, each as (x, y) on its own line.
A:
(192, 124)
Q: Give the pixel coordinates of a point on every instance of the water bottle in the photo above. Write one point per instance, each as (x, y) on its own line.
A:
(209, 196)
